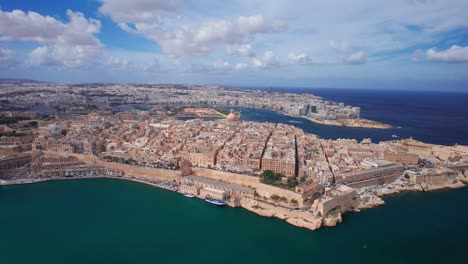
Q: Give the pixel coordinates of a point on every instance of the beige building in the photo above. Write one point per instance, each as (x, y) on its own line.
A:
(382, 174)
(230, 189)
(404, 158)
(435, 176)
(340, 197)
(212, 193)
(201, 159)
(190, 188)
(279, 165)
(280, 152)
(308, 188)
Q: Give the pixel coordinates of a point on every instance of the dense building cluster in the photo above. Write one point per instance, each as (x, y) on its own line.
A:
(152, 139)
(146, 138)
(63, 99)
(58, 131)
(280, 151)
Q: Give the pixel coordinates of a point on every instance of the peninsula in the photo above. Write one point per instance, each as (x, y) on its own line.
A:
(274, 170)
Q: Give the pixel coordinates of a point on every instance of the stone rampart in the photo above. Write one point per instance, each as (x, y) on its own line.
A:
(263, 190)
(343, 201)
(373, 182)
(135, 171)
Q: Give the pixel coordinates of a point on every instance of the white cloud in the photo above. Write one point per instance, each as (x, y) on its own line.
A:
(241, 66)
(68, 44)
(152, 66)
(358, 57)
(117, 62)
(137, 11)
(17, 25)
(230, 31)
(217, 67)
(241, 51)
(41, 56)
(7, 58)
(454, 54)
(64, 55)
(189, 42)
(157, 21)
(5, 55)
(347, 53)
(341, 46)
(31, 26)
(300, 58)
(268, 60)
(222, 65)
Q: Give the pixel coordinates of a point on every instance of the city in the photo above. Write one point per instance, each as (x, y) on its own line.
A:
(240, 131)
(69, 99)
(272, 169)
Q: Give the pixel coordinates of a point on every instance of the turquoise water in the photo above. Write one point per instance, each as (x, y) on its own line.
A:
(115, 221)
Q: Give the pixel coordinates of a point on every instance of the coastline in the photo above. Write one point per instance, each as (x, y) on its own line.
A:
(361, 123)
(201, 112)
(358, 123)
(298, 217)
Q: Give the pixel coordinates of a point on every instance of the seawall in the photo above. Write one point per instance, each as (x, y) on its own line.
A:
(129, 170)
(263, 190)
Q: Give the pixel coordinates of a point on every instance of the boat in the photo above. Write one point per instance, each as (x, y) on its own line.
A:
(395, 136)
(189, 195)
(215, 202)
(294, 121)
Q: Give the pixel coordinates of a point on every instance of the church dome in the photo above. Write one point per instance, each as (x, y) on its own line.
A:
(232, 116)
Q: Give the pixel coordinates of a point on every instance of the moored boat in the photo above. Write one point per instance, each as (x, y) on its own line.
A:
(189, 195)
(215, 202)
(294, 121)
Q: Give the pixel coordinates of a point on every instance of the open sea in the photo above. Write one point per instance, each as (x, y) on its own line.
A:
(432, 117)
(97, 221)
(115, 221)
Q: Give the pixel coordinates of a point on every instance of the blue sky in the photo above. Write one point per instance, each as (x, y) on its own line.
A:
(401, 44)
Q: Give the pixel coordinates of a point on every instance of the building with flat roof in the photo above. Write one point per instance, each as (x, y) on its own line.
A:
(230, 189)
(213, 193)
(190, 188)
(404, 158)
(383, 174)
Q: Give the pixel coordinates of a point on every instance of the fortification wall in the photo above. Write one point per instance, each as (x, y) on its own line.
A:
(344, 201)
(263, 190)
(170, 175)
(226, 176)
(460, 167)
(373, 182)
(135, 171)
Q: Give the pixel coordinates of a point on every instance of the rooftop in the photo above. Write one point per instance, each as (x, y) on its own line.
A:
(221, 184)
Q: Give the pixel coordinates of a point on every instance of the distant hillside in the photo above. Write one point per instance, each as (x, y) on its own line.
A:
(18, 81)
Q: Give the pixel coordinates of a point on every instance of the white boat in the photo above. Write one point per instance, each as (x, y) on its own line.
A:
(215, 202)
(189, 195)
(294, 121)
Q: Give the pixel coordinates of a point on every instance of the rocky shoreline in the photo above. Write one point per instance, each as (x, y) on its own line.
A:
(303, 218)
(362, 123)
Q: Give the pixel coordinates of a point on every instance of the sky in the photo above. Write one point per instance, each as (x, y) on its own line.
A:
(369, 44)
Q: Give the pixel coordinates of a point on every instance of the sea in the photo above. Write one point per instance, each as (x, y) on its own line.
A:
(432, 117)
(116, 221)
(97, 221)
